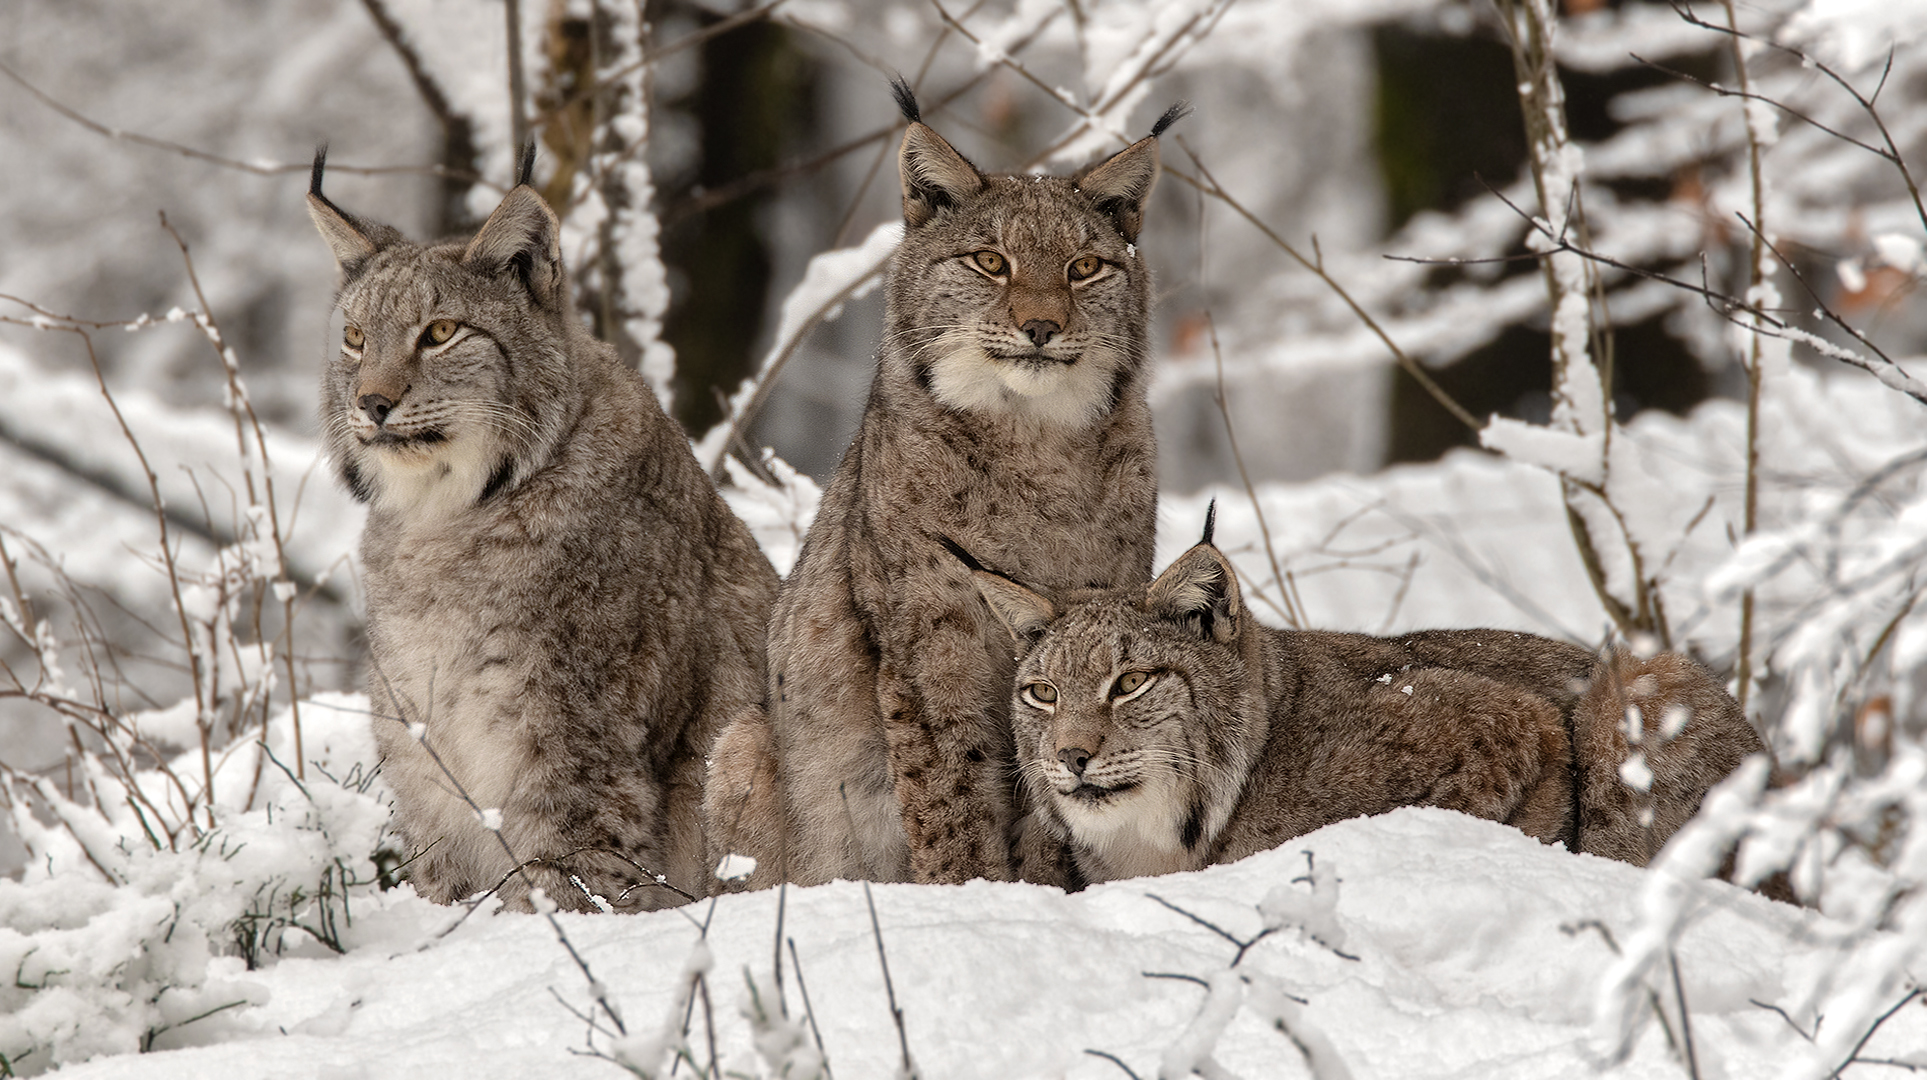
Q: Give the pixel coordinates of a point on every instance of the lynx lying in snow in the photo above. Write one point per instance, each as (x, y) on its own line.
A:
(1167, 730)
(556, 593)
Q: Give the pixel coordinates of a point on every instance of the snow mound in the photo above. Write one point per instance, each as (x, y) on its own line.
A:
(1468, 949)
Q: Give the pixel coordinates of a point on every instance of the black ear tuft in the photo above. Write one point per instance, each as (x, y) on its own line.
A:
(320, 164)
(1178, 111)
(963, 556)
(1210, 521)
(525, 172)
(906, 99)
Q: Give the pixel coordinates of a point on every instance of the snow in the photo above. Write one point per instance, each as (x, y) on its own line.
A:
(1489, 977)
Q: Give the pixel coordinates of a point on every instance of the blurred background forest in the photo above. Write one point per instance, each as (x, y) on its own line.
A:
(1347, 211)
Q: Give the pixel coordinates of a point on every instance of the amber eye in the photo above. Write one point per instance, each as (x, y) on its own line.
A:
(352, 336)
(1130, 683)
(440, 331)
(989, 262)
(1041, 694)
(1085, 267)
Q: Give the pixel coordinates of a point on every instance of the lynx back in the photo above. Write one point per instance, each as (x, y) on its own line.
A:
(1008, 412)
(561, 610)
(1164, 729)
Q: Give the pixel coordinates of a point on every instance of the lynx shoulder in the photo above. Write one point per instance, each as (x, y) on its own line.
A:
(562, 612)
(1164, 729)
(1008, 412)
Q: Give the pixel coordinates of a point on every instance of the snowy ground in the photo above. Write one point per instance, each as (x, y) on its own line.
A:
(1460, 959)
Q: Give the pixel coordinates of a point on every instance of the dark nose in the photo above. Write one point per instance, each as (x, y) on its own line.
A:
(1074, 759)
(1040, 331)
(377, 407)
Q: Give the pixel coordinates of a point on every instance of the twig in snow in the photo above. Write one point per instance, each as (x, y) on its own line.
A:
(809, 1013)
(1115, 1060)
(1797, 1030)
(1853, 1056)
(889, 988)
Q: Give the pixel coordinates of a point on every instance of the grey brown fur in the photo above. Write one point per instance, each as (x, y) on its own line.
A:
(1180, 733)
(1008, 412)
(556, 592)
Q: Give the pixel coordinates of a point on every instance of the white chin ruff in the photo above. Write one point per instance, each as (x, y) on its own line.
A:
(1055, 395)
(431, 483)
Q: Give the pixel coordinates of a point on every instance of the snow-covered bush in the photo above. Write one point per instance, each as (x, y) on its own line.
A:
(112, 932)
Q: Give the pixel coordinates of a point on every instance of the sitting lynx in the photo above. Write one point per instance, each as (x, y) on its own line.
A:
(1166, 730)
(561, 610)
(1008, 411)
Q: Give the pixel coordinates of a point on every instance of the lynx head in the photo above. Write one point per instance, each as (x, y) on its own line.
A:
(453, 381)
(1134, 715)
(1020, 295)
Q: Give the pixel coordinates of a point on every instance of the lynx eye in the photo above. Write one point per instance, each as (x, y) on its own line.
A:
(439, 332)
(989, 262)
(352, 337)
(1040, 694)
(1130, 683)
(1085, 267)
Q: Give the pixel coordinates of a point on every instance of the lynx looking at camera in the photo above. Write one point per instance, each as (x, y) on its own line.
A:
(1165, 729)
(562, 612)
(1008, 411)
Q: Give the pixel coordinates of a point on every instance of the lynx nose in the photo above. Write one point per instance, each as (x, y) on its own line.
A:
(1040, 331)
(1074, 759)
(376, 406)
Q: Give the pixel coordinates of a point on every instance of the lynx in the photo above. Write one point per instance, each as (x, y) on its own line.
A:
(1165, 730)
(562, 612)
(1008, 410)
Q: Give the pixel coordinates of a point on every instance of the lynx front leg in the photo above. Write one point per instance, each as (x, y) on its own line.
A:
(743, 800)
(944, 718)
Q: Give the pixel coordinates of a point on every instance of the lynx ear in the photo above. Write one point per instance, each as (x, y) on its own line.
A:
(351, 239)
(1201, 591)
(522, 236)
(1119, 186)
(934, 175)
(1026, 614)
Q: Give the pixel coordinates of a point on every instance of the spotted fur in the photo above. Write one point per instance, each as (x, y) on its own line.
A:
(1008, 413)
(555, 591)
(1163, 729)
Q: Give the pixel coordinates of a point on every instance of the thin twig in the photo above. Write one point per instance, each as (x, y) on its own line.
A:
(258, 168)
(889, 988)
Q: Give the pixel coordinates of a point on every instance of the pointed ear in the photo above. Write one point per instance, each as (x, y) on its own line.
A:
(351, 239)
(522, 237)
(934, 175)
(1120, 185)
(1200, 590)
(1023, 612)
(1026, 614)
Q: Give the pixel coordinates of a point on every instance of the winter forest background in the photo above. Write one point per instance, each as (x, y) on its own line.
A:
(1598, 320)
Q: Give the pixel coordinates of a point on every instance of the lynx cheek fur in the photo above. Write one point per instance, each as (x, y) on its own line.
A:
(1008, 411)
(1166, 730)
(557, 597)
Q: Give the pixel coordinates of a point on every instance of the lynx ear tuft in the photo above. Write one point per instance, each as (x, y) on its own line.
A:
(1199, 590)
(1210, 521)
(1024, 612)
(934, 175)
(525, 171)
(351, 239)
(906, 99)
(522, 236)
(1120, 185)
(1178, 111)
